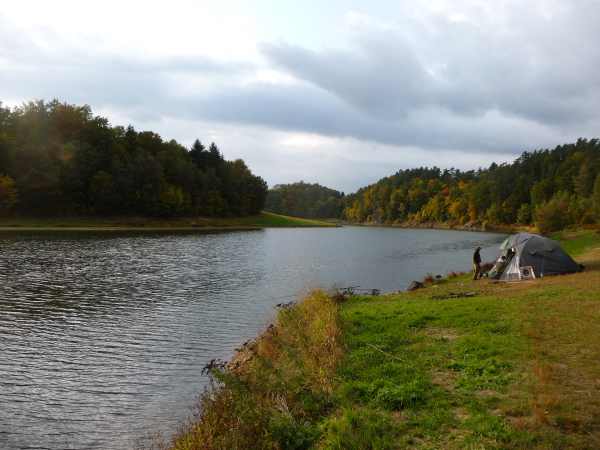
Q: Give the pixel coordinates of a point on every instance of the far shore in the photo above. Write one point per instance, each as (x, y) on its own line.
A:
(193, 224)
(18, 228)
(485, 227)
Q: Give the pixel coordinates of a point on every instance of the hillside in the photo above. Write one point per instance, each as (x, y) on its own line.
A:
(550, 188)
(305, 200)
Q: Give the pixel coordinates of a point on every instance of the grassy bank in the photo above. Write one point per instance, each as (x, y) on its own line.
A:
(263, 220)
(460, 364)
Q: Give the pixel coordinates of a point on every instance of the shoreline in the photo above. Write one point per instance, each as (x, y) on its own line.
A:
(482, 228)
(18, 228)
(425, 322)
(151, 224)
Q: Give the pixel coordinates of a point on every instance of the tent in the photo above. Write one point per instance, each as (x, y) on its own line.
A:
(527, 256)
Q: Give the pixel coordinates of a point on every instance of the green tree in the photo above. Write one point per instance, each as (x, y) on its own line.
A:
(524, 214)
(173, 201)
(8, 194)
(305, 200)
(104, 197)
(553, 215)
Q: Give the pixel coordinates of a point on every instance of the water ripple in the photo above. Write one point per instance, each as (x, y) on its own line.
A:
(104, 336)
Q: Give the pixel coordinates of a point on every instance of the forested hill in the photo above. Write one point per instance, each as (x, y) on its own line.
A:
(58, 159)
(553, 188)
(305, 200)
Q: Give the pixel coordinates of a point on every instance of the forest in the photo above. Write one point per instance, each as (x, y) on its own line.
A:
(552, 189)
(305, 200)
(59, 159)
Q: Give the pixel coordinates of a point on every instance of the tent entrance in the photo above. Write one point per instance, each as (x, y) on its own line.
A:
(512, 269)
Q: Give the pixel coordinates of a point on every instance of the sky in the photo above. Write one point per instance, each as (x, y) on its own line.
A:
(339, 92)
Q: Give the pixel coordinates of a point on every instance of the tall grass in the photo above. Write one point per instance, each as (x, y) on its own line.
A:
(279, 389)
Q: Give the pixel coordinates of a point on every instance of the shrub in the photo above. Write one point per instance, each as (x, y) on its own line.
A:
(292, 434)
(281, 388)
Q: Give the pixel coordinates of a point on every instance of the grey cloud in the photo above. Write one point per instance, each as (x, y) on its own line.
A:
(305, 108)
(542, 70)
(381, 76)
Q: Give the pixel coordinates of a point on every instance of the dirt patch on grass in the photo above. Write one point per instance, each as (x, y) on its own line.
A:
(445, 379)
(487, 393)
(445, 334)
(461, 414)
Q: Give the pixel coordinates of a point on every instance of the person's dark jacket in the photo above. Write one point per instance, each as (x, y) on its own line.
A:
(476, 257)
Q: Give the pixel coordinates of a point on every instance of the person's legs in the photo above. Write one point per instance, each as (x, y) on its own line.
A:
(476, 271)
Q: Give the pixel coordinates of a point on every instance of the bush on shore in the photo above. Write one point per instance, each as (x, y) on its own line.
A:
(278, 389)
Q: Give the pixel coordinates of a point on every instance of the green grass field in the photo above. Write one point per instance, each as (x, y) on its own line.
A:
(459, 364)
(263, 220)
(513, 366)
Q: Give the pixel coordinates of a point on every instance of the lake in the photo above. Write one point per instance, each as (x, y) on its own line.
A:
(104, 335)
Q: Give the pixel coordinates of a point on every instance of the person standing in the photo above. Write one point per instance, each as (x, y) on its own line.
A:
(477, 264)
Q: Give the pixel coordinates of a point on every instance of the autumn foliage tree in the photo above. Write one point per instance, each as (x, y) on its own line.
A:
(552, 188)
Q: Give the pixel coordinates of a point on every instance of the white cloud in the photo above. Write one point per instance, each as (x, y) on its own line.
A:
(149, 29)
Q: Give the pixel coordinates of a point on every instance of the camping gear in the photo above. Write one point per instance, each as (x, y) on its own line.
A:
(526, 256)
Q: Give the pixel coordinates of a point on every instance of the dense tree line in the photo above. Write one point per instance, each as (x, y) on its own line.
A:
(552, 188)
(305, 200)
(58, 159)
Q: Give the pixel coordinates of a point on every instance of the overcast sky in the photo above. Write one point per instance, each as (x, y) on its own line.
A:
(336, 92)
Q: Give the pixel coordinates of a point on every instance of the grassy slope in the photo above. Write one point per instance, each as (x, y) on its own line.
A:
(265, 219)
(509, 366)
(515, 366)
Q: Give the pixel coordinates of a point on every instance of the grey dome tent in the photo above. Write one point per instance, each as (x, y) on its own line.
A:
(528, 256)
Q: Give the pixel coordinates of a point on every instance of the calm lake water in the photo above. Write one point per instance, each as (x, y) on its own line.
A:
(103, 336)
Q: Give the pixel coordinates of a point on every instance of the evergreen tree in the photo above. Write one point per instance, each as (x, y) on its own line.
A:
(57, 158)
